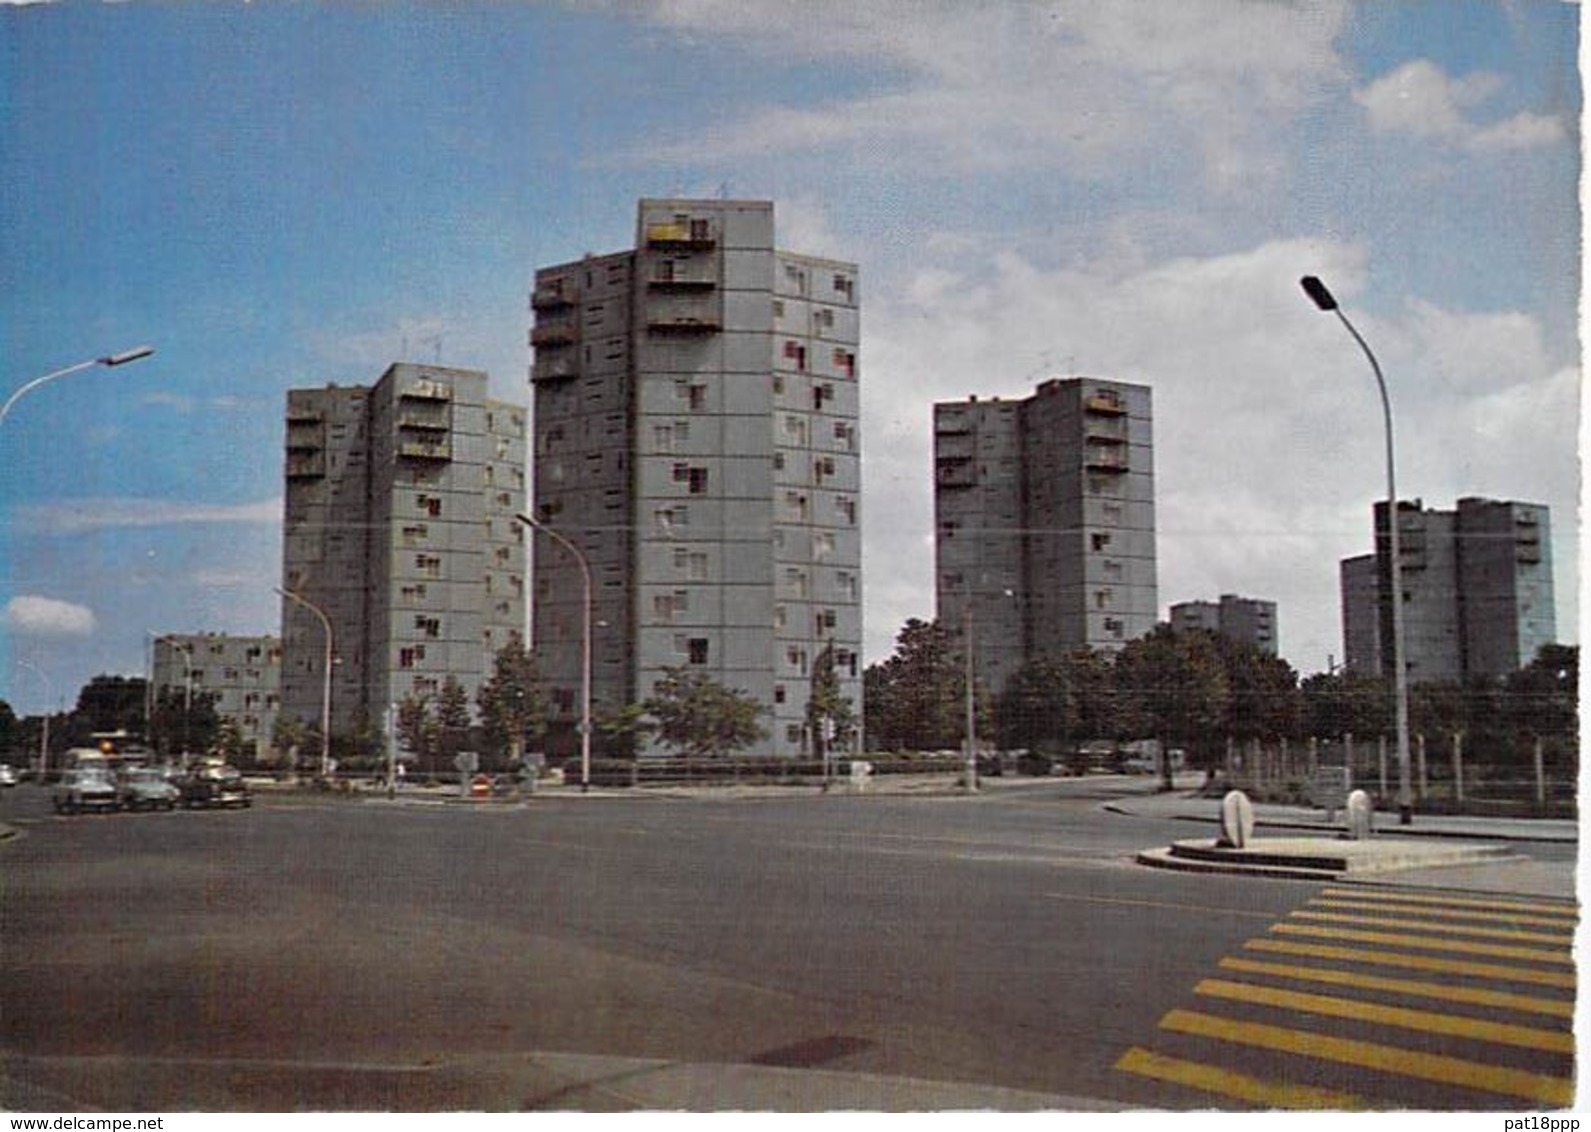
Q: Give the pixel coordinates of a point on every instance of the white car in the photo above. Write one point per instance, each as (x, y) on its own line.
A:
(8, 775)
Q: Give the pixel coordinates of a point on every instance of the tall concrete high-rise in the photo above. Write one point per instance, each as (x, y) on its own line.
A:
(399, 527)
(1477, 591)
(1044, 520)
(696, 437)
(1244, 619)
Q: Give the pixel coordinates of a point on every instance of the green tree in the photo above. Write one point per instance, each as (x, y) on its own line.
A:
(699, 717)
(419, 733)
(184, 724)
(1174, 689)
(913, 700)
(290, 737)
(453, 718)
(1346, 702)
(831, 718)
(1263, 700)
(512, 704)
(229, 743)
(622, 730)
(1055, 703)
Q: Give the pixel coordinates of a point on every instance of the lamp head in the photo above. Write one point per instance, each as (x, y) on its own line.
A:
(1318, 293)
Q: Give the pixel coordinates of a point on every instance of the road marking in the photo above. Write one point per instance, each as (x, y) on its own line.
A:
(1551, 908)
(1474, 996)
(1555, 1091)
(1161, 904)
(1417, 962)
(1445, 913)
(1430, 943)
(1433, 926)
(1425, 1021)
(1226, 1083)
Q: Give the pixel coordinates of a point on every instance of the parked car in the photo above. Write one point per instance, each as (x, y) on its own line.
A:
(146, 788)
(213, 785)
(85, 788)
(8, 775)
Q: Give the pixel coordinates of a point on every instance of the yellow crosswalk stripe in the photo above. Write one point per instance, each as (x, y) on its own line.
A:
(1550, 908)
(1227, 1083)
(1425, 1021)
(1444, 913)
(1474, 996)
(1432, 963)
(1430, 926)
(1556, 1091)
(1429, 943)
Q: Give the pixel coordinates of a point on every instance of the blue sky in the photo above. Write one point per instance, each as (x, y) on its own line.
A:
(281, 195)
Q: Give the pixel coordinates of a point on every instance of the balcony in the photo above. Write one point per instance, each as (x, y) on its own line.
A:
(306, 466)
(556, 334)
(426, 422)
(1109, 462)
(424, 450)
(305, 440)
(679, 283)
(683, 325)
(1109, 439)
(304, 416)
(553, 297)
(955, 474)
(549, 370)
(681, 234)
(1105, 404)
(427, 391)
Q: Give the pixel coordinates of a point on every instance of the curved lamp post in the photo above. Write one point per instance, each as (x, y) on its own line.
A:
(1323, 298)
(120, 359)
(325, 693)
(585, 645)
(44, 733)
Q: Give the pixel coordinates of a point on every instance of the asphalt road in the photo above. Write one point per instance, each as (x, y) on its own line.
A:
(321, 954)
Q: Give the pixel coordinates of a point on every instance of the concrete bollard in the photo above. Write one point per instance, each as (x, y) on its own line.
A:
(1361, 815)
(1237, 820)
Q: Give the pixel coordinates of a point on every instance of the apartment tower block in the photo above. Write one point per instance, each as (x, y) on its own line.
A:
(399, 528)
(1044, 522)
(696, 437)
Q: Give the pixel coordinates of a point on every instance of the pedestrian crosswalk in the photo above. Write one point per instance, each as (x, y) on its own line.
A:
(1379, 998)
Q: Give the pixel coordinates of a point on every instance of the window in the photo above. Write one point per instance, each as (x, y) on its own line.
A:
(820, 394)
(797, 659)
(847, 583)
(778, 308)
(778, 461)
(842, 284)
(823, 466)
(796, 580)
(697, 651)
(778, 693)
(845, 362)
(1099, 540)
(697, 481)
(430, 626)
(779, 616)
(823, 317)
(847, 508)
(410, 657)
(429, 565)
(796, 353)
(778, 384)
(822, 545)
(825, 620)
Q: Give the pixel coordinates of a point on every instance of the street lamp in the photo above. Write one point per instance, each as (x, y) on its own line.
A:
(585, 645)
(120, 359)
(325, 693)
(44, 732)
(1322, 298)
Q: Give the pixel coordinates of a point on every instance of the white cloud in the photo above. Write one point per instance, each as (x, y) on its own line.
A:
(977, 87)
(75, 517)
(46, 617)
(1268, 431)
(1421, 100)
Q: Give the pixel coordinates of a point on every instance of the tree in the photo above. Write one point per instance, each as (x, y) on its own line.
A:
(700, 718)
(229, 743)
(182, 723)
(913, 700)
(831, 719)
(1174, 689)
(1346, 702)
(623, 729)
(418, 732)
(1057, 702)
(290, 736)
(453, 721)
(512, 703)
(1263, 701)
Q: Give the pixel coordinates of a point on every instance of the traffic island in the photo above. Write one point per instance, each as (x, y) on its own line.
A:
(1320, 858)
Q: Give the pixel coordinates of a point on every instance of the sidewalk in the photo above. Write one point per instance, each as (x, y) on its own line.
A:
(1191, 807)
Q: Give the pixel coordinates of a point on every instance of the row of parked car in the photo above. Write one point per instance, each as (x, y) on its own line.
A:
(99, 787)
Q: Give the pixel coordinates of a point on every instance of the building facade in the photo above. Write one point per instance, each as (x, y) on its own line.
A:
(1244, 619)
(399, 528)
(1044, 522)
(1478, 597)
(696, 408)
(243, 673)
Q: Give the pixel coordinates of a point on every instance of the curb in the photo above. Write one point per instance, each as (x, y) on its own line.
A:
(1321, 827)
